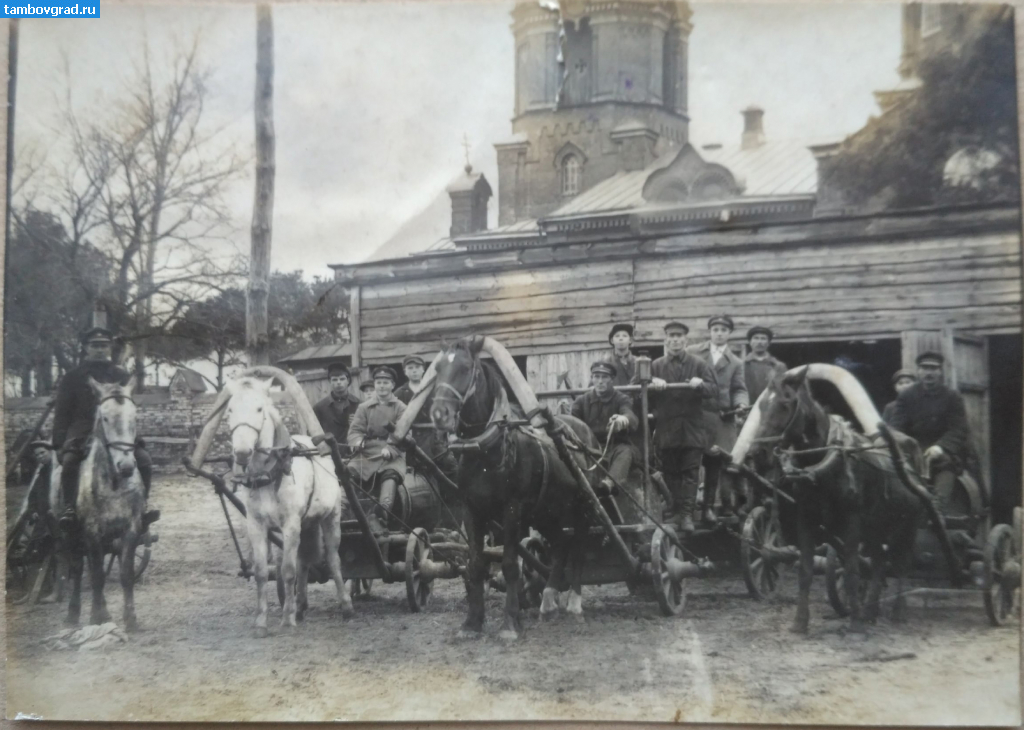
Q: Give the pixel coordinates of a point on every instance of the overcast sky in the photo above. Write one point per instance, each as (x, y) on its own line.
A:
(372, 99)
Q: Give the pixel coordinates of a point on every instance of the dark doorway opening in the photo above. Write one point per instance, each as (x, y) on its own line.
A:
(1005, 396)
(872, 361)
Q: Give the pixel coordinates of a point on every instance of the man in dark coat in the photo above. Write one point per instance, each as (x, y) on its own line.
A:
(759, 367)
(679, 434)
(935, 416)
(610, 416)
(620, 357)
(901, 380)
(413, 366)
(74, 414)
(335, 411)
(720, 412)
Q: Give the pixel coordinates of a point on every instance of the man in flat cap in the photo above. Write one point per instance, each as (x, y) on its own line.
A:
(901, 380)
(374, 460)
(336, 410)
(414, 367)
(679, 434)
(74, 413)
(759, 366)
(366, 390)
(935, 416)
(720, 413)
(609, 414)
(620, 357)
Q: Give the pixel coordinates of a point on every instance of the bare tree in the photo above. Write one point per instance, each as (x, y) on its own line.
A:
(146, 186)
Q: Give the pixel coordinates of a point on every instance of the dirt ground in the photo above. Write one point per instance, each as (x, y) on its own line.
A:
(728, 659)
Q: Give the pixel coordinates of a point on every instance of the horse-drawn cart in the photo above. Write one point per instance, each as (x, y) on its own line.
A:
(426, 547)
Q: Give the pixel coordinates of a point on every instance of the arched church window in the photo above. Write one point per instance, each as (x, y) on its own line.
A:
(571, 173)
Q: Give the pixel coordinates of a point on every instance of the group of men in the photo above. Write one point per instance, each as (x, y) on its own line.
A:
(697, 425)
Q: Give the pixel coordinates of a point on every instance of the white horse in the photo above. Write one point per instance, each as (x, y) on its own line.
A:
(111, 500)
(299, 496)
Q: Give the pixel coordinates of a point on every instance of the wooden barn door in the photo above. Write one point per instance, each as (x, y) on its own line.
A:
(967, 371)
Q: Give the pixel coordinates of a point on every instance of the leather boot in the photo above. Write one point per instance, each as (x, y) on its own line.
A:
(387, 500)
(688, 501)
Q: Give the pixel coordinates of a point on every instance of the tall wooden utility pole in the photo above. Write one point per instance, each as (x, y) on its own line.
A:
(12, 86)
(256, 318)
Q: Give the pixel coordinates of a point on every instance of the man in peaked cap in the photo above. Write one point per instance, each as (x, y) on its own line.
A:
(74, 413)
(760, 367)
(336, 410)
(609, 414)
(935, 416)
(374, 460)
(721, 411)
(679, 431)
(620, 357)
(901, 380)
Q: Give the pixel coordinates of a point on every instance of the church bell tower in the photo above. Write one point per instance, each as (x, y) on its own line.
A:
(600, 87)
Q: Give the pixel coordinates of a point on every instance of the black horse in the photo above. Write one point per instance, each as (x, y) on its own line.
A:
(514, 478)
(848, 486)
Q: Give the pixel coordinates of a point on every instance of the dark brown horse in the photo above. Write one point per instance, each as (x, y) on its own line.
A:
(514, 478)
(848, 486)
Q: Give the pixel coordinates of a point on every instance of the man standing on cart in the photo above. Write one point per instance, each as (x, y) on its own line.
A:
(720, 413)
(336, 410)
(935, 416)
(679, 435)
(374, 460)
(609, 414)
(620, 357)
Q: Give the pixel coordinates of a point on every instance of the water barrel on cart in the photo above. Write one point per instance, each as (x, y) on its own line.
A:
(418, 505)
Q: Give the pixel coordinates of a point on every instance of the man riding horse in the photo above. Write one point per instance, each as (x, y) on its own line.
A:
(934, 415)
(74, 414)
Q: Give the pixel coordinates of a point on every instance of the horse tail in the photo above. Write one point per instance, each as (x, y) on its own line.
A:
(311, 544)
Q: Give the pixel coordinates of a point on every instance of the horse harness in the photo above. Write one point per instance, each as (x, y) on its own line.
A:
(281, 464)
(124, 446)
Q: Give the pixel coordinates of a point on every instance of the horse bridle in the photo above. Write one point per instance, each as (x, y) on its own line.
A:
(789, 424)
(272, 475)
(460, 398)
(124, 446)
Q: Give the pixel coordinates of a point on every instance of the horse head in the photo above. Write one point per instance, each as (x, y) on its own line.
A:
(115, 424)
(456, 373)
(249, 416)
(783, 413)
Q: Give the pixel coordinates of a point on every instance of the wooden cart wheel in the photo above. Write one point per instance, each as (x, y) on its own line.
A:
(759, 572)
(835, 581)
(671, 593)
(1002, 576)
(531, 582)
(417, 588)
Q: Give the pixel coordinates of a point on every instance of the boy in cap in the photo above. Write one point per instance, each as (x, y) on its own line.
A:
(720, 412)
(374, 459)
(336, 410)
(679, 431)
(901, 380)
(366, 390)
(759, 367)
(935, 416)
(74, 412)
(620, 357)
(414, 367)
(609, 414)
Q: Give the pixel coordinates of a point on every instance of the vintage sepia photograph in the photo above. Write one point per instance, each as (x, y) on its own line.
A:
(516, 360)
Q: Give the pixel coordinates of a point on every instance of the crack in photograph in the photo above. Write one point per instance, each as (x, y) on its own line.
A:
(518, 360)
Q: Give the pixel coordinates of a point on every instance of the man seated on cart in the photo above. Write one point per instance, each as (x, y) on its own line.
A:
(609, 414)
(934, 415)
(375, 463)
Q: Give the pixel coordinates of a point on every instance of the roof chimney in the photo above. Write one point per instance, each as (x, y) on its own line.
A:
(469, 194)
(753, 128)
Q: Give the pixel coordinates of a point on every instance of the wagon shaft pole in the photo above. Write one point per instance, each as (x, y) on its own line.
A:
(581, 479)
(364, 523)
(919, 491)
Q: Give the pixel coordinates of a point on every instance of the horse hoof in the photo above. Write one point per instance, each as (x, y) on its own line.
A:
(347, 612)
(100, 618)
(798, 628)
(131, 625)
(468, 634)
(508, 635)
(261, 632)
(71, 623)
